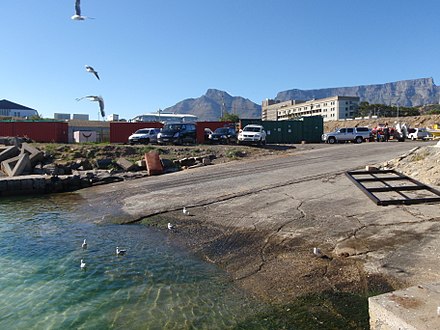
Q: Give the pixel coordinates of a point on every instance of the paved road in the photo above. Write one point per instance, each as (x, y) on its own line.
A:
(260, 220)
(213, 183)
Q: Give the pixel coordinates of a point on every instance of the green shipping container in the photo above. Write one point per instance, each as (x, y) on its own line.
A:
(307, 129)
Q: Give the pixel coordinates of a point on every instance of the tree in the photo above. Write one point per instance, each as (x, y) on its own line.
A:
(230, 117)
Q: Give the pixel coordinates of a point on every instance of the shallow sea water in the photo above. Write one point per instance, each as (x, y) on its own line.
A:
(156, 285)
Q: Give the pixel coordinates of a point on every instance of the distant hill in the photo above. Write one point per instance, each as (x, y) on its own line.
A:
(209, 107)
(411, 93)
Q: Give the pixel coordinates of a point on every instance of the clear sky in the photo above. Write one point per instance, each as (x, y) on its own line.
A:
(151, 54)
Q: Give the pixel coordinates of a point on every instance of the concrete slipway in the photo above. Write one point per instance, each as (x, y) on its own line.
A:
(260, 220)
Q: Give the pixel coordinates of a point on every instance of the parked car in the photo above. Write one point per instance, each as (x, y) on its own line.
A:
(418, 133)
(177, 133)
(353, 134)
(252, 134)
(223, 135)
(144, 136)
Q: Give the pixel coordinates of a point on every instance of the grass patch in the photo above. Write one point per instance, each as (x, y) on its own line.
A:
(235, 153)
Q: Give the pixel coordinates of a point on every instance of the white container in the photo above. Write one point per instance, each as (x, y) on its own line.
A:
(84, 136)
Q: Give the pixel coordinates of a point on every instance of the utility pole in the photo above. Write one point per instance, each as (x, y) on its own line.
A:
(222, 107)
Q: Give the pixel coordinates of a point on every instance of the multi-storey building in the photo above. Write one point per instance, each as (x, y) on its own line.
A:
(330, 108)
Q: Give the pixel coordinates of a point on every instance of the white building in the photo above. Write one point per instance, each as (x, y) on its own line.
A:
(330, 108)
(11, 109)
(61, 116)
(165, 117)
(80, 116)
(113, 117)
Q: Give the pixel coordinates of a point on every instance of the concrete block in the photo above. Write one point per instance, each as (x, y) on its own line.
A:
(35, 155)
(17, 165)
(413, 308)
(125, 164)
(154, 164)
(8, 152)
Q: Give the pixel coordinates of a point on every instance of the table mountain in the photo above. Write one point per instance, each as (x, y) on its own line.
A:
(413, 92)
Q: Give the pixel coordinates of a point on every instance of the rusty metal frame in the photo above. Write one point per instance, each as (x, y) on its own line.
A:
(385, 177)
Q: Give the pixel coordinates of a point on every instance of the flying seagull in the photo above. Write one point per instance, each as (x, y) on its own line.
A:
(91, 70)
(77, 16)
(84, 244)
(95, 98)
(120, 252)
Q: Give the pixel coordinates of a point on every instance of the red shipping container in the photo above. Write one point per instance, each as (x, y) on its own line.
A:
(38, 131)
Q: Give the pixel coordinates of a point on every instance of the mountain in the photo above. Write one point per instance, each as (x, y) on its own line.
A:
(209, 107)
(413, 92)
(404, 93)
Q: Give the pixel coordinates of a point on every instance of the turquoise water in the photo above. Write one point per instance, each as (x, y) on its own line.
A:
(156, 285)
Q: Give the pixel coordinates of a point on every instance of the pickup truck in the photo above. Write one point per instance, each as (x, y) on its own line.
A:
(353, 134)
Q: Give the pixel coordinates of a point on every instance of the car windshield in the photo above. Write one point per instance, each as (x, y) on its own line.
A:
(142, 131)
(251, 129)
(221, 130)
(173, 127)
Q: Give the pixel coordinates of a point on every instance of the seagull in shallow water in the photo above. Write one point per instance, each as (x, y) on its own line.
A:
(84, 244)
(185, 211)
(170, 226)
(95, 98)
(91, 70)
(77, 16)
(120, 252)
(83, 264)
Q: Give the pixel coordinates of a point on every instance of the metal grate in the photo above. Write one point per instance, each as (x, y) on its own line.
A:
(388, 187)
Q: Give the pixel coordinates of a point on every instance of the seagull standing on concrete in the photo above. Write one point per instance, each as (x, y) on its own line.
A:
(317, 252)
(120, 252)
(91, 70)
(185, 211)
(77, 16)
(84, 244)
(95, 98)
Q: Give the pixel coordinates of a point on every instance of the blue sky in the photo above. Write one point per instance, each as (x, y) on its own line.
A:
(153, 54)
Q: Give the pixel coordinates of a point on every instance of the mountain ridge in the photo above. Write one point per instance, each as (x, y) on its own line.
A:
(214, 103)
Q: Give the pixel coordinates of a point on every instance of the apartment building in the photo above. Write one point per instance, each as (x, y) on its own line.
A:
(330, 108)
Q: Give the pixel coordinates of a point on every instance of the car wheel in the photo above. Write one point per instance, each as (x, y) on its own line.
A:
(145, 141)
(331, 140)
(358, 139)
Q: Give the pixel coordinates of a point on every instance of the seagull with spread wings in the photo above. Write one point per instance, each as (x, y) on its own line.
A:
(95, 98)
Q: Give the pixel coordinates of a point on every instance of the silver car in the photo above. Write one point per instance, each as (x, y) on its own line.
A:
(144, 136)
(354, 134)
